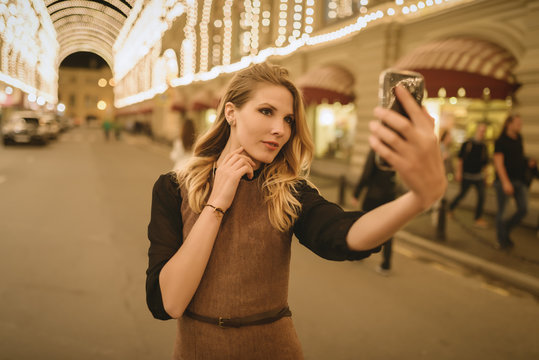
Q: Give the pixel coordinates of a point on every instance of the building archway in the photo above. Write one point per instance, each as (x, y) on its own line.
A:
(468, 81)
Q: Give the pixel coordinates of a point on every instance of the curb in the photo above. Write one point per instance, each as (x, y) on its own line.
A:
(517, 279)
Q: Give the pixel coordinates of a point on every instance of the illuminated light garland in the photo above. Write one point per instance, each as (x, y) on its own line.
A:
(361, 22)
(28, 48)
(297, 24)
(204, 37)
(145, 25)
(216, 47)
(246, 21)
(282, 30)
(309, 13)
(255, 26)
(189, 44)
(227, 33)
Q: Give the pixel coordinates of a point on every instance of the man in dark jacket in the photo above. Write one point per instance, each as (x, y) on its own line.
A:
(473, 157)
(510, 165)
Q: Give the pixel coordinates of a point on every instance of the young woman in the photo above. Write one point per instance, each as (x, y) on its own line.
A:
(221, 228)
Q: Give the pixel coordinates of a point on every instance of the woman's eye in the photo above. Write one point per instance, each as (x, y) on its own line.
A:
(289, 120)
(265, 111)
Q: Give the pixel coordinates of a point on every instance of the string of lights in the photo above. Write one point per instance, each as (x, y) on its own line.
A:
(296, 28)
(28, 48)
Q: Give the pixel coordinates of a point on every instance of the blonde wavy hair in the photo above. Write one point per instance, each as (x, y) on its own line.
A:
(279, 178)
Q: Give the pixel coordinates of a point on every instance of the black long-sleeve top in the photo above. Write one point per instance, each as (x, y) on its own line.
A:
(322, 227)
(380, 184)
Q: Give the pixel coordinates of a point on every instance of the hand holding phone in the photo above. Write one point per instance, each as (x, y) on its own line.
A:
(389, 80)
(413, 150)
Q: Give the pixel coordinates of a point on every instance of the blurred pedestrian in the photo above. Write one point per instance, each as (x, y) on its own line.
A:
(510, 165)
(182, 147)
(445, 147)
(381, 189)
(473, 157)
(107, 126)
(438, 210)
(221, 228)
(531, 172)
(117, 127)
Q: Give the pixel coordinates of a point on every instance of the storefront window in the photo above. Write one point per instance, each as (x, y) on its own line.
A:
(333, 130)
(205, 120)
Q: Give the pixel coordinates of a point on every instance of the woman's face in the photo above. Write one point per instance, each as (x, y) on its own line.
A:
(516, 125)
(263, 125)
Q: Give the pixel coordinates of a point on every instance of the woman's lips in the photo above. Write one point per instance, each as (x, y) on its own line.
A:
(271, 145)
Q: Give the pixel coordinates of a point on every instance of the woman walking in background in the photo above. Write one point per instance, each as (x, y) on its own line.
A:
(381, 189)
(182, 147)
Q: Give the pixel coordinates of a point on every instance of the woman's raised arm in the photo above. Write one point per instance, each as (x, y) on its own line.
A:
(416, 157)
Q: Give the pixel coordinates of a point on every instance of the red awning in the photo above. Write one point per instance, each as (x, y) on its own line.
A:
(133, 111)
(147, 110)
(312, 95)
(203, 100)
(178, 107)
(178, 101)
(328, 83)
(462, 62)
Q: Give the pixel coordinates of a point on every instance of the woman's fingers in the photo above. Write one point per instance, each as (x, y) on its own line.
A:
(243, 166)
(227, 177)
(238, 165)
(231, 154)
(392, 157)
(388, 136)
(396, 121)
(415, 155)
(413, 109)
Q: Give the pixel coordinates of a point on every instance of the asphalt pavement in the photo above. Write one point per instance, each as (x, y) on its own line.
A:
(74, 252)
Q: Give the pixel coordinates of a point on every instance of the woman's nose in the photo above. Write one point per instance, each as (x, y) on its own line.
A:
(278, 128)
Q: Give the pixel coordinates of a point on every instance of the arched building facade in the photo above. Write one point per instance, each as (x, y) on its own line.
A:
(479, 59)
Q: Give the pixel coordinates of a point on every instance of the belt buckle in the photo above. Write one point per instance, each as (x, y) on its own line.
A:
(221, 322)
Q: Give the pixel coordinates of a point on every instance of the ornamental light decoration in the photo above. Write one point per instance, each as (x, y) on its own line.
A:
(295, 30)
(28, 48)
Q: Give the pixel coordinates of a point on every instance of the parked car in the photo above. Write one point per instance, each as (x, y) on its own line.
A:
(24, 127)
(65, 123)
(52, 125)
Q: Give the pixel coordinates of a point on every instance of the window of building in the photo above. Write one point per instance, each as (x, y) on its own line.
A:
(333, 130)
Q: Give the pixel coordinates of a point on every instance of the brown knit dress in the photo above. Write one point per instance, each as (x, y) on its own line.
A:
(247, 274)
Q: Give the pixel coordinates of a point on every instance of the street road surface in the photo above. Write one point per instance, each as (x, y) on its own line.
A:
(73, 218)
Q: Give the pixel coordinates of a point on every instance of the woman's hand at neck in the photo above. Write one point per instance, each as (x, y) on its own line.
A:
(233, 166)
(231, 146)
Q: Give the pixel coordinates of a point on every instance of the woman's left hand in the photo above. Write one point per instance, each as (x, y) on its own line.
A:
(416, 155)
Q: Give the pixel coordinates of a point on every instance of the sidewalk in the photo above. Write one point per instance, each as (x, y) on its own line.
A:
(467, 245)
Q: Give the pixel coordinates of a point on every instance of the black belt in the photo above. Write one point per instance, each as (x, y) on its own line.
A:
(256, 319)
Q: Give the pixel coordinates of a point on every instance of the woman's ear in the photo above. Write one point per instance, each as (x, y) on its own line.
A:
(229, 113)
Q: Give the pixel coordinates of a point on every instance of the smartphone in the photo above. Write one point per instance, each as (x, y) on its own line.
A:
(389, 79)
